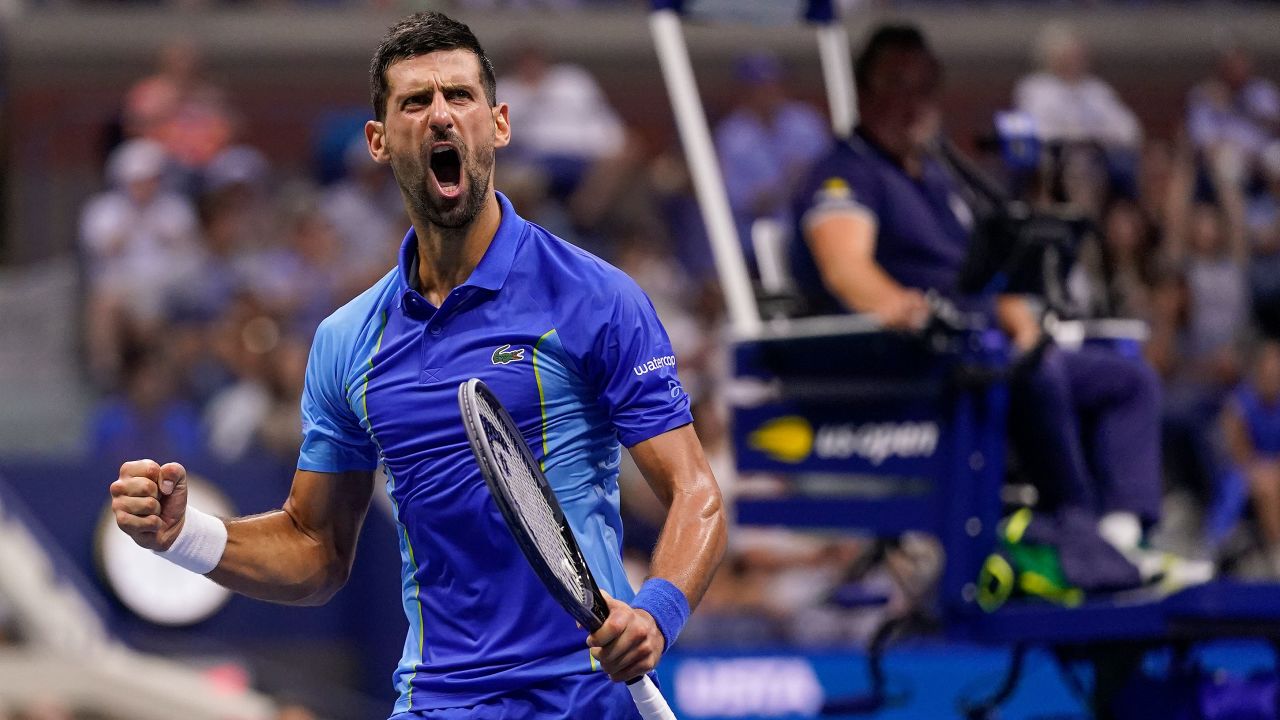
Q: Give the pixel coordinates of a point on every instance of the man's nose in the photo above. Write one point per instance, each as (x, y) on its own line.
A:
(440, 118)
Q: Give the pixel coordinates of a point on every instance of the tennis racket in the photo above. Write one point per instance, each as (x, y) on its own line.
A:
(534, 517)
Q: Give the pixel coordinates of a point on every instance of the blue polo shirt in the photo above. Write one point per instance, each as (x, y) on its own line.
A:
(1261, 419)
(575, 351)
(922, 224)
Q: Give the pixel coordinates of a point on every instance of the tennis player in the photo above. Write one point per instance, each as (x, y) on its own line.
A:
(570, 345)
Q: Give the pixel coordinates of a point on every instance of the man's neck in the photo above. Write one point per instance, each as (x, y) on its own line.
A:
(911, 161)
(447, 256)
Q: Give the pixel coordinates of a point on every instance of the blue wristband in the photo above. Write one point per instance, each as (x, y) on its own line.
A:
(668, 606)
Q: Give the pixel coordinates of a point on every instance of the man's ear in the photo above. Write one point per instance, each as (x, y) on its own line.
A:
(375, 133)
(502, 126)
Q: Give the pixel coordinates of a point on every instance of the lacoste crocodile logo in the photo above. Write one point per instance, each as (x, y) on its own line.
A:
(505, 355)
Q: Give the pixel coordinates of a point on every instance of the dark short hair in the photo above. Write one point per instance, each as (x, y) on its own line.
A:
(884, 39)
(419, 34)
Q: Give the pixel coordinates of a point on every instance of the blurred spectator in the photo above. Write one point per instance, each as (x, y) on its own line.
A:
(1217, 311)
(236, 215)
(147, 419)
(303, 278)
(1263, 229)
(239, 341)
(1080, 116)
(1199, 328)
(238, 181)
(139, 243)
(1166, 178)
(178, 107)
(236, 168)
(151, 102)
(1251, 424)
(262, 409)
(207, 294)
(366, 211)
(765, 143)
(209, 297)
(672, 186)
(527, 188)
(1120, 273)
(1067, 102)
(278, 431)
(1231, 117)
(562, 120)
(1263, 218)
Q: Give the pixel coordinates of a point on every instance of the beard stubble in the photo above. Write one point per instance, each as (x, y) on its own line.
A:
(411, 175)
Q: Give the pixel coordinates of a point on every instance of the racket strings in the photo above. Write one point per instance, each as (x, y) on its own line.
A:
(531, 506)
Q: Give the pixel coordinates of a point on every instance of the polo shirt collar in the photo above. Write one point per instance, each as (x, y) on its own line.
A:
(494, 266)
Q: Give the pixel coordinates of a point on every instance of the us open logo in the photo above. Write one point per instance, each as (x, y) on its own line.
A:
(793, 439)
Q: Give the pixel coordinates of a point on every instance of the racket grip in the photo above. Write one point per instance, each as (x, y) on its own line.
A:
(649, 700)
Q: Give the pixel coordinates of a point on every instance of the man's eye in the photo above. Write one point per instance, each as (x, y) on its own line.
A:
(459, 95)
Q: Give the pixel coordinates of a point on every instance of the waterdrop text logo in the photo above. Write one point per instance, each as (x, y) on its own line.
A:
(654, 364)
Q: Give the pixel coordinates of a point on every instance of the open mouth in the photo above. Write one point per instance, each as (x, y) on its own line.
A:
(446, 165)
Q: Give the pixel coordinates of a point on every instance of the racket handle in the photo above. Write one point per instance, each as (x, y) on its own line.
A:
(649, 700)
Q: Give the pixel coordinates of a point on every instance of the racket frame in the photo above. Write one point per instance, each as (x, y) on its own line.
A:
(591, 618)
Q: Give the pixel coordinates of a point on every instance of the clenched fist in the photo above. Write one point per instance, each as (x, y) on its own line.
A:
(628, 644)
(150, 502)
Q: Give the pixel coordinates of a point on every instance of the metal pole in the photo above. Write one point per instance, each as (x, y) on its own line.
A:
(677, 71)
(837, 75)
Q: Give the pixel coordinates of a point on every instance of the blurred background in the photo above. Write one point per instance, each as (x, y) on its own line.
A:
(185, 193)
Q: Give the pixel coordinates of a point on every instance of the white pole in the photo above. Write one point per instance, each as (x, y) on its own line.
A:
(677, 71)
(837, 75)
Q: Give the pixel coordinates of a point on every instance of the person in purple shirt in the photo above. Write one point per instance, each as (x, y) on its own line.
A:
(881, 221)
(766, 143)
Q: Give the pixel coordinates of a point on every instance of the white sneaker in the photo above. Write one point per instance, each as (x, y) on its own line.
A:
(1168, 572)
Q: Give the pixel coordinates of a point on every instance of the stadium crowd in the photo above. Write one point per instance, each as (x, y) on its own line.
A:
(197, 239)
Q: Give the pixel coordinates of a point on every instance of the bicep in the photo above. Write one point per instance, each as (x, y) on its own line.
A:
(330, 507)
(673, 464)
(841, 240)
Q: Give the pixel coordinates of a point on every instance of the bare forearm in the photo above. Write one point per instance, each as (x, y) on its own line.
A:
(1018, 321)
(693, 540)
(863, 287)
(303, 553)
(270, 557)
(843, 246)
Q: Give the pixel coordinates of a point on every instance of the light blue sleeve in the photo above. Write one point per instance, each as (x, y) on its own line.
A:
(333, 439)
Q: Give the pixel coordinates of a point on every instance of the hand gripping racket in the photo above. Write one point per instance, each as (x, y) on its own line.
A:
(534, 517)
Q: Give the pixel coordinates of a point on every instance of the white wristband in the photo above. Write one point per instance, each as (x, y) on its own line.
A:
(200, 545)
